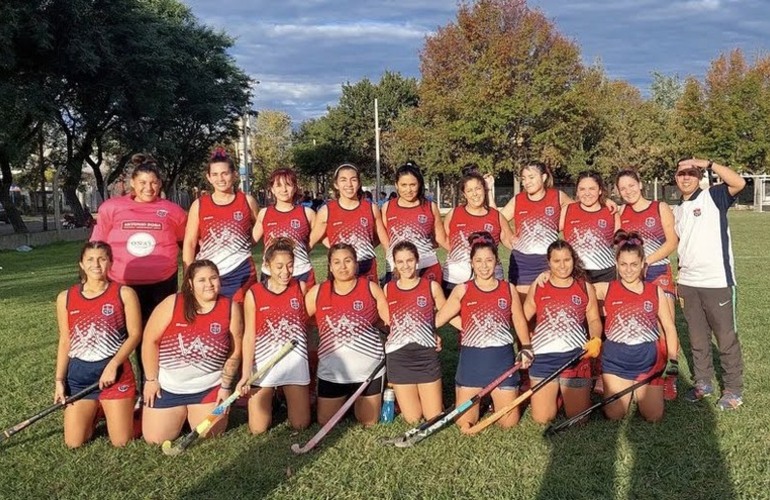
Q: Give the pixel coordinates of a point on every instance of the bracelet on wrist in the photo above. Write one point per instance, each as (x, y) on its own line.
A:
(526, 346)
(710, 164)
(150, 380)
(226, 387)
(59, 379)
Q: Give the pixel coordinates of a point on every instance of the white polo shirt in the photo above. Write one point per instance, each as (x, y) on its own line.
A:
(705, 247)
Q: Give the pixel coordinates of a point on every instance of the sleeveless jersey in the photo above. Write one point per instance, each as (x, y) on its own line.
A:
(355, 227)
(414, 224)
(561, 316)
(591, 235)
(537, 222)
(631, 318)
(293, 225)
(648, 224)
(412, 316)
(97, 326)
(192, 355)
(349, 345)
(486, 316)
(225, 232)
(457, 268)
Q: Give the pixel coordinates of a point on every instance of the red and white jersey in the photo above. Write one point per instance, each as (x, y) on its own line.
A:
(648, 224)
(561, 315)
(414, 224)
(486, 316)
(192, 355)
(355, 227)
(412, 316)
(537, 222)
(349, 344)
(279, 318)
(457, 268)
(591, 235)
(632, 318)
(97, 326)
(225, 232)
(144, 238)
(293, 225)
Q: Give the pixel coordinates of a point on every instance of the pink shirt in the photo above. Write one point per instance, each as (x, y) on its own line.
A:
(144, 238)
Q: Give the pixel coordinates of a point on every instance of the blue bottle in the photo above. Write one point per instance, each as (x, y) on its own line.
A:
(388, 411)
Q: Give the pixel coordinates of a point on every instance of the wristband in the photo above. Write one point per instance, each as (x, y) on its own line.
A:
(226, 388)
(59, 380)
(710, 164)
(150, 380)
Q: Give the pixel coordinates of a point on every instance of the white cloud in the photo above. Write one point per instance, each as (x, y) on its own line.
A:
(370, 30)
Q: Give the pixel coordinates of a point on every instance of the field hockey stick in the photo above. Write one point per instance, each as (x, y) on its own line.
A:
(328, 426)
(34, 418)
(181, 444)
(553, 429)
(480, 426)
(413, 437)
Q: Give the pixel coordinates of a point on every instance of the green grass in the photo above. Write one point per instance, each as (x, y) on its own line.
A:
(696, 452)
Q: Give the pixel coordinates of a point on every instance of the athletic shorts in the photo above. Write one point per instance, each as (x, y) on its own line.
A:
(235, 283)
(601, 275)
(172, 400)
(661, 276)
(634, 362)
(81, 374)
(524, 268)
(478, 366)
(447, 287)
(307, 277)
(577, 375)
(327, 389)
(413, 364)
(152, 294)
(368, 269)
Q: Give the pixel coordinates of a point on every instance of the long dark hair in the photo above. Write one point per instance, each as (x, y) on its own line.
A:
(191, 305)
(93, 245)
(348, 166)
(411, 168)
(578, 272)
(473, 175)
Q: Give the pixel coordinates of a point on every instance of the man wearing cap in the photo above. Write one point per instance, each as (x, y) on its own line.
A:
(706, 283)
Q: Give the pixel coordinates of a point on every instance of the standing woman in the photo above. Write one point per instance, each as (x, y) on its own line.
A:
(411, 217)
(635, 347)
(351, 219)
(192, 352)
(99, 326)
(348, 310)
(220, 225)
(562, 307)
(464, 220)
(413, 345)
(488, 308)
(284, 219)
(279, 318)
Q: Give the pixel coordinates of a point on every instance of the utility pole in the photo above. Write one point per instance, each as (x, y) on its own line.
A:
(376, 196)
(245, 171)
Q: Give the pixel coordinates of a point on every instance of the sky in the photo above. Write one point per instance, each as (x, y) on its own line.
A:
(302, 51)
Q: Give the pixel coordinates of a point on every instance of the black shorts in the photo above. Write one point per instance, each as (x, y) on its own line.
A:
(152, 294)
(413, 364)
(331, 390)
(601, 275)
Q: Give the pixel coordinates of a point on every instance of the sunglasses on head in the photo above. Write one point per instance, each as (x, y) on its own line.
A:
(689, 172)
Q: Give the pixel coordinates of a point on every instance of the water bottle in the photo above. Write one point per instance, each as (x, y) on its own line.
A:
(388, 411)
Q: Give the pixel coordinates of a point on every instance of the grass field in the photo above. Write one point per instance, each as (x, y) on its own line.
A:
(697, 452)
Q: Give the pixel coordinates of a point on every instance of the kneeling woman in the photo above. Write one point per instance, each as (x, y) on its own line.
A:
(488, 308)
(348, 311)
(100, 324)
(413, 345)
(635, 349)
(274, 313)
(191, 354)
(561, 308)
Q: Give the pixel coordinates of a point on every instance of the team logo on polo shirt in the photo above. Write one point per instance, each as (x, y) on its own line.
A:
(696, 212)
(488, 227)
(364, 221)
(422, 301)
(294, 303)
(422, 218)
(649, 222)
(140, 244)
(577, 300)
(123, 388)
(502, 304)
(549, 211)
(647, 306)
(108, 309)
(161, 213)
(238, 215)
(358, 305)
(215, 328)
(294, 223)
(602, 223)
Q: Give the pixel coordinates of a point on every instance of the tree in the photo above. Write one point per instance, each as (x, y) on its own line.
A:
(271, 140)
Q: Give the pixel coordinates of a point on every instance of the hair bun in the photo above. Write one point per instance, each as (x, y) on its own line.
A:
(219, 153)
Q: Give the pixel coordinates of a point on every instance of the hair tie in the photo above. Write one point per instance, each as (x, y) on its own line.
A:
(220, 153)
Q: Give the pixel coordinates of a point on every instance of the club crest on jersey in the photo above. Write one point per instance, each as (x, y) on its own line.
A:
(161, 213)
(422, 301)
(358, 305)
(238, 215)
(294, 303)
(488, 227)
(647, 306)
(108, 309)
(649, 222)
(696, 212)
(502, 304)
(294, 223)
(602, 223)
(215, 328)
(577, 300)
(123, 388)
(364, 221)
(422, 218)
(549, 211)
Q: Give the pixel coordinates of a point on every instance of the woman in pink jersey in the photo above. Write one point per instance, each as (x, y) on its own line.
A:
(192, 353)
(489, 308)
(635, 348)
(351, 219)
(219, 226)
(289, 220)
(411, 217)
(348, 310)
(274, 313)
(562, 307)
(463, 220)
(99, 326)
(412, 347)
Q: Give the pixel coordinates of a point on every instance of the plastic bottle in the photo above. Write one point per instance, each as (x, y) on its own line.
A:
(388, 411)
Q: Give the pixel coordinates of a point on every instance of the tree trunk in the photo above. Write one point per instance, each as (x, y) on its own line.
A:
(71, 197)
(5, 198)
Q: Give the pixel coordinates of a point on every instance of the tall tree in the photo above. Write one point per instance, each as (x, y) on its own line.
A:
(271, 140)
